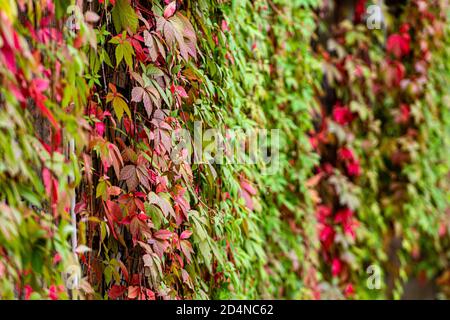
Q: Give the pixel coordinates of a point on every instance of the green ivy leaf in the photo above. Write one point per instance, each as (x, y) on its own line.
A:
(124, 50)
(124, 17)
(120, 106)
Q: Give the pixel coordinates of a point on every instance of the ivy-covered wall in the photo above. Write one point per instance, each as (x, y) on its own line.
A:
(100, 198)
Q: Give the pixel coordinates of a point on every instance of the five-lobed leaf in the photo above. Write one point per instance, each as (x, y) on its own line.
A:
(120, 106)
(124, 50)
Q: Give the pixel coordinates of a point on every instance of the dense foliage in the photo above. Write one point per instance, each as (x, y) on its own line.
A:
(100, 198)
(384, 164)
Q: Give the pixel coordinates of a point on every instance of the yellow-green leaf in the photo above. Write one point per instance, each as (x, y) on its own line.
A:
(120, 106)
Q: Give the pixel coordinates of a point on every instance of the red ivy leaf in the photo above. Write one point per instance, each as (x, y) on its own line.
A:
(137, 93)
(225, 26)
(150, 294)
(246, 192)
(342, 114)
(160, 246)
(181, 92)
(133, 292)
(114, 213)
(360, 8)
(336, 267)
(185, 234)
(162, 234)
(395, 73)
(116, 291)
(165, 206)
(129, 174)
(51, 187)
(398, 44)
(100, 128)
(349, 290)
(354, 169)
(186, 248)
(47, 177)
(170, 9)
(345, 154)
